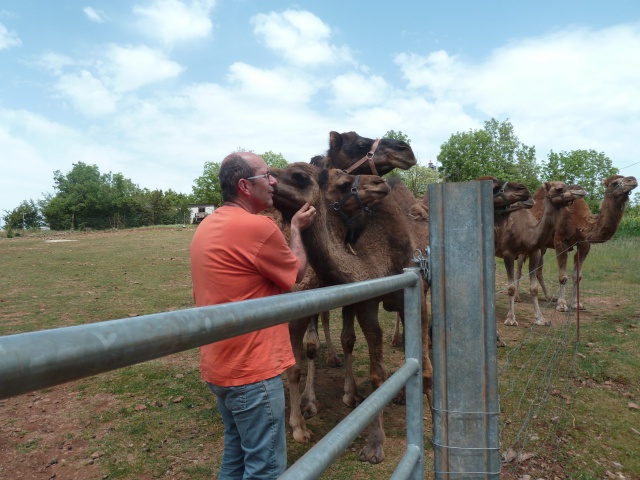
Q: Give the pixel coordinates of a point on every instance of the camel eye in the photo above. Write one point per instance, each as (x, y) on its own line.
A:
(301, 180)
(344, 187)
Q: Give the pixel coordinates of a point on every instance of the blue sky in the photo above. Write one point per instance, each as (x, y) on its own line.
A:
(153, 89)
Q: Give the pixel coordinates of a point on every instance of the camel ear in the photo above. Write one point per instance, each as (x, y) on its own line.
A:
(546, 185)
(323, 177)
(335, 144)
(604, 181)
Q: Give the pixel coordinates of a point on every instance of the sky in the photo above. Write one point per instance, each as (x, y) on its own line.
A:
(153, 89)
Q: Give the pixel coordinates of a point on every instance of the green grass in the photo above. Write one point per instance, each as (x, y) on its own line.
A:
(157, 419)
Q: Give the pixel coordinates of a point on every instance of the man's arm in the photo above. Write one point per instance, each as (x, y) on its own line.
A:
(300, 221)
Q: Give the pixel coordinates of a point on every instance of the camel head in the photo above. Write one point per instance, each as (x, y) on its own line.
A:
(301, 183)
(619, 187)
(347, 150)
(509, 196)
(562, 195)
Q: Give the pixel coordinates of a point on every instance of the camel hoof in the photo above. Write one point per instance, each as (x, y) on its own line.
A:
(303, 435)
(543, 323)
(334, 362)
(372, 454)
(562, 307)
(510, 322)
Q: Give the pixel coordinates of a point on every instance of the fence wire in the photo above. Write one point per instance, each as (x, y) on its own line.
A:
(537, 384)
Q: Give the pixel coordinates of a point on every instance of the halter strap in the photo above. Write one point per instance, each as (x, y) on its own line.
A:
(369, 157)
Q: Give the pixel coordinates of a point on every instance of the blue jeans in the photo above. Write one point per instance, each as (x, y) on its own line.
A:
(255, 442)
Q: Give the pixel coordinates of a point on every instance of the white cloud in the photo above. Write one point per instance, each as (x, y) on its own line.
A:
(172, 21)
(94, 15)
(300, 37)
(8, 39)
(355, 90)
(570, 89)
(273, 86)
(129, 68)
(54, 62)
(87, 93)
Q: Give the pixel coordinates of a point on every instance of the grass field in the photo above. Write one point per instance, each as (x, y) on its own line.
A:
(568, 408)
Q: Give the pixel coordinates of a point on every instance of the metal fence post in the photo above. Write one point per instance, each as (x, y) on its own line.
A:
(466, 407)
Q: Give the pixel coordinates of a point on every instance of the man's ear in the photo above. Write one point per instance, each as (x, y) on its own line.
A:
(243, 187)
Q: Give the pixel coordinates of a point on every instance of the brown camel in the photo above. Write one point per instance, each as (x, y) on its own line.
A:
(577, 225)
(338, 188)
(381, 245)
(520, 232)
(357, 155)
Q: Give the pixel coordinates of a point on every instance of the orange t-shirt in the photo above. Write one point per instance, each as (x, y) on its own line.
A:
(235, 256)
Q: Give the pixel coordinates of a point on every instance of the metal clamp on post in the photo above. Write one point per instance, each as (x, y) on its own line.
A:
(422, 262)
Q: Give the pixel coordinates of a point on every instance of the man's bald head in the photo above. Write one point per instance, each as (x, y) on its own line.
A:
(235, 166)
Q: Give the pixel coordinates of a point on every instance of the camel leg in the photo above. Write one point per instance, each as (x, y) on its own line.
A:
(296, 333)
(351, 397)
(518, 274)
(540, 277)
(332, 357)
(534, 260)
(583, 251)
(367, 315)
(562, 277)
(511, 315)
(308, 403)
(397, 340)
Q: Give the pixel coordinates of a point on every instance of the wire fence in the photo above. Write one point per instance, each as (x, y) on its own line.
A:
(538, 381)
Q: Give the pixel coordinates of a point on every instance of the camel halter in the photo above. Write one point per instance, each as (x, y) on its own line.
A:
(337, 206)
(368, 156)
(500, 193)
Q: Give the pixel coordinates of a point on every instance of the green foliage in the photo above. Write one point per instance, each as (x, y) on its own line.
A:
(494, 150)
(206, 188)
(418, 178)
(274, 159)
(586, 168)
(630, 224)
(26, 215)
(86, 198)
(397, 136)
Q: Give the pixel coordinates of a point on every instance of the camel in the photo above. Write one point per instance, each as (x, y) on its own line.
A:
(577, 225)
(519, 232)
(381, 245)
(369, 189)
(357, 155)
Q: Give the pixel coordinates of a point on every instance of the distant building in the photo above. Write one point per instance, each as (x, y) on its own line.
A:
(199, 211)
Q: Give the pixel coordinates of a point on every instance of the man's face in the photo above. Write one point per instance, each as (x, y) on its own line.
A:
(262, 186)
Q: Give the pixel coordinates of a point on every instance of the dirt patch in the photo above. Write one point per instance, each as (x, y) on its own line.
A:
(42, 435)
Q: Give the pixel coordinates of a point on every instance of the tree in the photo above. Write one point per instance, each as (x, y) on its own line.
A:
(418, 178)
(86, 198)
(275, 160)
(494, 150)
(207, 186)
(24, 216)
(397, 136)
(586, 168)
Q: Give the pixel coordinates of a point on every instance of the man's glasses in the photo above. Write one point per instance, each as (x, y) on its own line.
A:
(264, 175)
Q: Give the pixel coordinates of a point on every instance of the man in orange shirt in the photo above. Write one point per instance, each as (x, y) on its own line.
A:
(237, 255)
